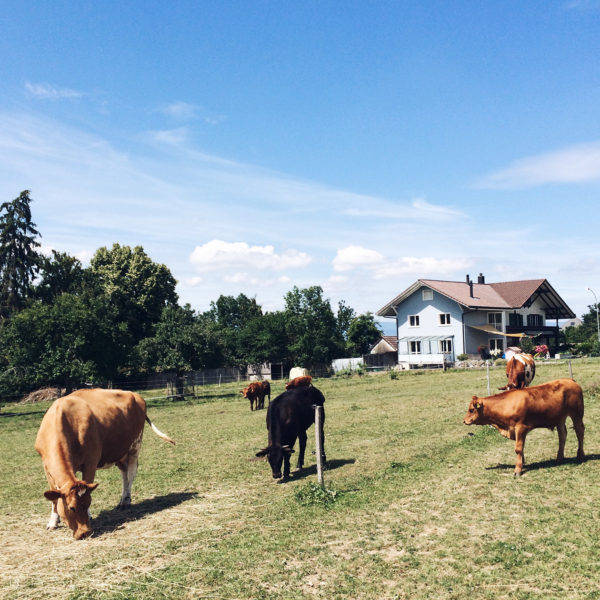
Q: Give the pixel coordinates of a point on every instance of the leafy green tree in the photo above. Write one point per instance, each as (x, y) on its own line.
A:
(345, 316)
(584, 339)
(312, 328)
(138, 287)
(182, 341)
(59, 274)
(231, 315)
(363, 332)
(19, 258)
(264, 339)
(67, 343)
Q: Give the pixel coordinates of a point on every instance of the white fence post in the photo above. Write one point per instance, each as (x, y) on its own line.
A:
(487, 368)
(318, 443)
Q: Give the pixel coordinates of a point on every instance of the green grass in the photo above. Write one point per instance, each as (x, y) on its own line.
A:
(416, 504)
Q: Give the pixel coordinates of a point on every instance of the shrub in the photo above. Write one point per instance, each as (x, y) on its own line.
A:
(462, 357)
(394, 374)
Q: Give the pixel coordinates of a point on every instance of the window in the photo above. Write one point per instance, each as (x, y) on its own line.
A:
(515, 320)
(445, 319)
(415, 347)
(413, 320)
(496, 344)
(427, 295)
(495, 319)
(534, 320)
(446, 346)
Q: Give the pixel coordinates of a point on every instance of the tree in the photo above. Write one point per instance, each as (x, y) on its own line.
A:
(59, 274)
(264, 339)
(139, 288)
(19, 259)
(232, 315)
(363, 332)
(67, 343)
(182, 341)
(312, 328)
(345, 316)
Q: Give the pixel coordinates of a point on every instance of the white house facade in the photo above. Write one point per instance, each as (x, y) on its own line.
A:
(438, 320)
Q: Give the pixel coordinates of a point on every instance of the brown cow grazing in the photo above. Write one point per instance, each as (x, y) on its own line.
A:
(303, 381)
(515, 413)
(520, 371)
(85, 431)
(256, 392)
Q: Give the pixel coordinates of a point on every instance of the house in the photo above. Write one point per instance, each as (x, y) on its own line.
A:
(384, 354)
(438, 320)
(571, 323)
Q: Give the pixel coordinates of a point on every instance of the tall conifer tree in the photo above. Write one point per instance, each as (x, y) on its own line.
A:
(19, 258)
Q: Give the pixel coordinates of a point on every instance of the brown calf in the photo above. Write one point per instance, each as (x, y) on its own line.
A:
(256, 392)
(515, 413)
(520, 371)
(303, 381)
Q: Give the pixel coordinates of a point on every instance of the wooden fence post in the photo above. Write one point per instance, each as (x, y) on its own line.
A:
(570, 369)
(318, 443)
(487, 368)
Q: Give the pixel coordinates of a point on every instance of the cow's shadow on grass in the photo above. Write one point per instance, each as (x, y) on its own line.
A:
(312, 470)
(110, 520)
(544, 464)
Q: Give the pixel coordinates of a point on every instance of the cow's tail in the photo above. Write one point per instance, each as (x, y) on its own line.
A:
(158, 432)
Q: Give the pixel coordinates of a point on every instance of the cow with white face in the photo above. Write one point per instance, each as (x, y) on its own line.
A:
(86, 431)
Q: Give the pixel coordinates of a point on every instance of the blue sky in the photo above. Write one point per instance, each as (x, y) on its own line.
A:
(253, 146)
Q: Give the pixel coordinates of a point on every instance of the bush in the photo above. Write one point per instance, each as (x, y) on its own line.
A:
(394, 374)
(462, 357)
(500, 362)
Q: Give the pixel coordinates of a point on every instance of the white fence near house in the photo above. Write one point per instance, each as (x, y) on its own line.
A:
(340, 364)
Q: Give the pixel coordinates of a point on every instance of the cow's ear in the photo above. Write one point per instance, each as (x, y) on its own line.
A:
(92, 486)
(474, 398)
(263, 452)
(478, 405)
(287, 450)
(52, 495)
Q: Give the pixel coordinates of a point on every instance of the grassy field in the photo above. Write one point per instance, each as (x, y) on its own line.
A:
(416, 505)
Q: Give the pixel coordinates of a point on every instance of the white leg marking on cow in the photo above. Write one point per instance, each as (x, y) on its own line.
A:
(54, 518)
(128, 474)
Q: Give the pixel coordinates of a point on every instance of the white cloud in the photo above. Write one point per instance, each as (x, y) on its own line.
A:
(574, 164)
(219, 255)
(417, 209)
(421, 267)
(194, 281)
(45, 91)
(181, 110)
(352, 257)
(172, 137)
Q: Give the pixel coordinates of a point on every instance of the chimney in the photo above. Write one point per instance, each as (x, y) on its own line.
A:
(471, 289)
(481, 278)
(468, 279)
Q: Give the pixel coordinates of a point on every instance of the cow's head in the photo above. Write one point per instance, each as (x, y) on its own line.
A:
(275, 455)
(475, 411)
(72, 503)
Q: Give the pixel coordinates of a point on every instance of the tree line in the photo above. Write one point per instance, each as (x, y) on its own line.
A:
(65, 324)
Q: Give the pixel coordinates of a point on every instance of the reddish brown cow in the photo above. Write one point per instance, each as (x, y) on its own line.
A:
(515, 413)
(256, 392)
(520, 371)
(85, 431)
(303, 381)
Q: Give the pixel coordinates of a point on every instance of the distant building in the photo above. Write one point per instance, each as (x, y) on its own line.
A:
(437, 320)
(571, 323)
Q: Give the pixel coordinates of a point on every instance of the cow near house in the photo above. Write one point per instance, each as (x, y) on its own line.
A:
(303, 381)
(288, 418)
(256, 392)
(516, 412)
(520, 371)
(87, 430)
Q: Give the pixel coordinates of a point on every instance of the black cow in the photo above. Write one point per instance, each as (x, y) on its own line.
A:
(288, 418)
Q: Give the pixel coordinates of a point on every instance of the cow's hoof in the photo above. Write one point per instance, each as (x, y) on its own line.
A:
(518, 473)
(124, 506)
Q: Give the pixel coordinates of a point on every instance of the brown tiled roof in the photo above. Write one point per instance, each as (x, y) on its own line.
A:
(510, 294)
(392, 340)
(504, 295)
